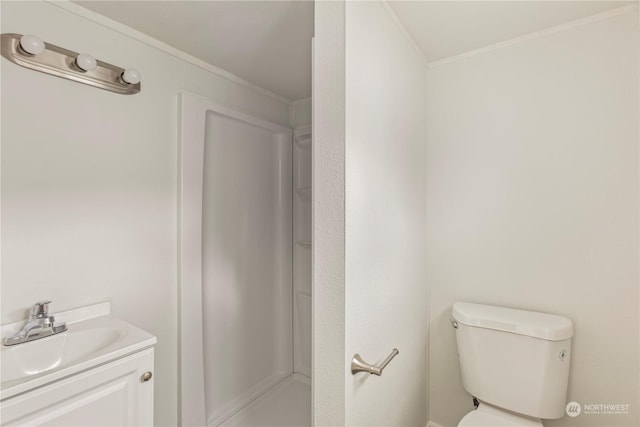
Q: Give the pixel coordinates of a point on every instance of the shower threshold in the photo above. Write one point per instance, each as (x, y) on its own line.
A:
(287, 404)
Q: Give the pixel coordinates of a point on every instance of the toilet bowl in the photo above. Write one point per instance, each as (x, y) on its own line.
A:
(514, 362)
(490, 416)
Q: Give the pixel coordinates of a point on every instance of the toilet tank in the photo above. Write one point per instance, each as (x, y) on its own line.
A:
(514, 359)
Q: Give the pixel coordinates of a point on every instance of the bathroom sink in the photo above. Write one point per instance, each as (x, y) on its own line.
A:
(93, 337)
(56, 351)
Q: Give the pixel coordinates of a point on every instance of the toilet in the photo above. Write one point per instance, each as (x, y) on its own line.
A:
(514, 362)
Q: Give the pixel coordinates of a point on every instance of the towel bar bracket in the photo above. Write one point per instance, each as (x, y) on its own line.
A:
(359, 365)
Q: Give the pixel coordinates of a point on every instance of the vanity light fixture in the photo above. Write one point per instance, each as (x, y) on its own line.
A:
(31, 52)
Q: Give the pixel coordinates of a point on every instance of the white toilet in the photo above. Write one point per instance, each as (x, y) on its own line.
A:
(515, 362)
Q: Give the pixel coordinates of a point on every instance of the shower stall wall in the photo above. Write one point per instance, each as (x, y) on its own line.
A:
(236, 254)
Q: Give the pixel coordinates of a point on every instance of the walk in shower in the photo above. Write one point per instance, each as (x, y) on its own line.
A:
(245, 269)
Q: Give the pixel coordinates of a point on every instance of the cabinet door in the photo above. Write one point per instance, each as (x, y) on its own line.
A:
(109, 395)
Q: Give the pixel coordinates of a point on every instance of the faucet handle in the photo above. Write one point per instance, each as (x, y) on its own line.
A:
(40, 309)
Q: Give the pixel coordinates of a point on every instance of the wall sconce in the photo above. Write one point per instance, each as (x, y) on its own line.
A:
(31, 52)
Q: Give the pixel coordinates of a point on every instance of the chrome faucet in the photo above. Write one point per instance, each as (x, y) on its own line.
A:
(39, 325)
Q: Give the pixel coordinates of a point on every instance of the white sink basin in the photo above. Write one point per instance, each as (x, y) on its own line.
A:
(93, 337)
(56, 351)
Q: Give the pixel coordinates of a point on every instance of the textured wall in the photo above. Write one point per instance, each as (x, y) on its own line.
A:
(533, 203)
(328, 215)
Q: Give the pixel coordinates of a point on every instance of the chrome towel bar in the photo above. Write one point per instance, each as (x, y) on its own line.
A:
(359, 365)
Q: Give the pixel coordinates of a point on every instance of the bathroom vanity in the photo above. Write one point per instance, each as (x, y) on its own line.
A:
(98, 372)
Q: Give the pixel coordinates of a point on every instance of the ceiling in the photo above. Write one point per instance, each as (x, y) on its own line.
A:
(446, 28)
(268, 43)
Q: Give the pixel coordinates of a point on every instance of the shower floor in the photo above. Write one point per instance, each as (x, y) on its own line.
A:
(287, 404)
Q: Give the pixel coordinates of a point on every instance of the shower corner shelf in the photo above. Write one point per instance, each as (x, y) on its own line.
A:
(304, 242)
(303, 137)
(304, 192)
(304, 143)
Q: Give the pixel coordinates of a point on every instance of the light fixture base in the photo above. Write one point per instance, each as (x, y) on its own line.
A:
(60, 62)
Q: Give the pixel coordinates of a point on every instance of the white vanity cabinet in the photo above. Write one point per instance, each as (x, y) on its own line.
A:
(99, 372)
(113, 394)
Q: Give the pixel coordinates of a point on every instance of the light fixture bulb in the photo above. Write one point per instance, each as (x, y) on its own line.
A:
(32, 45)
(86, 62)
(131, 76)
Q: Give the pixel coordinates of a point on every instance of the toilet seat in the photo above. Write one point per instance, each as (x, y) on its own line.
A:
(490, 416)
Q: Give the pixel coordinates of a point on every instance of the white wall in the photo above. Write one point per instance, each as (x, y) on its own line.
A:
(89, 181)
(328, 267)
(532, 202)
(369, 169)
(385, 179)
(369, 181)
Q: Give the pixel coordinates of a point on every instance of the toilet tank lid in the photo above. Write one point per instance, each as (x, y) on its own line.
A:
(539, 325)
